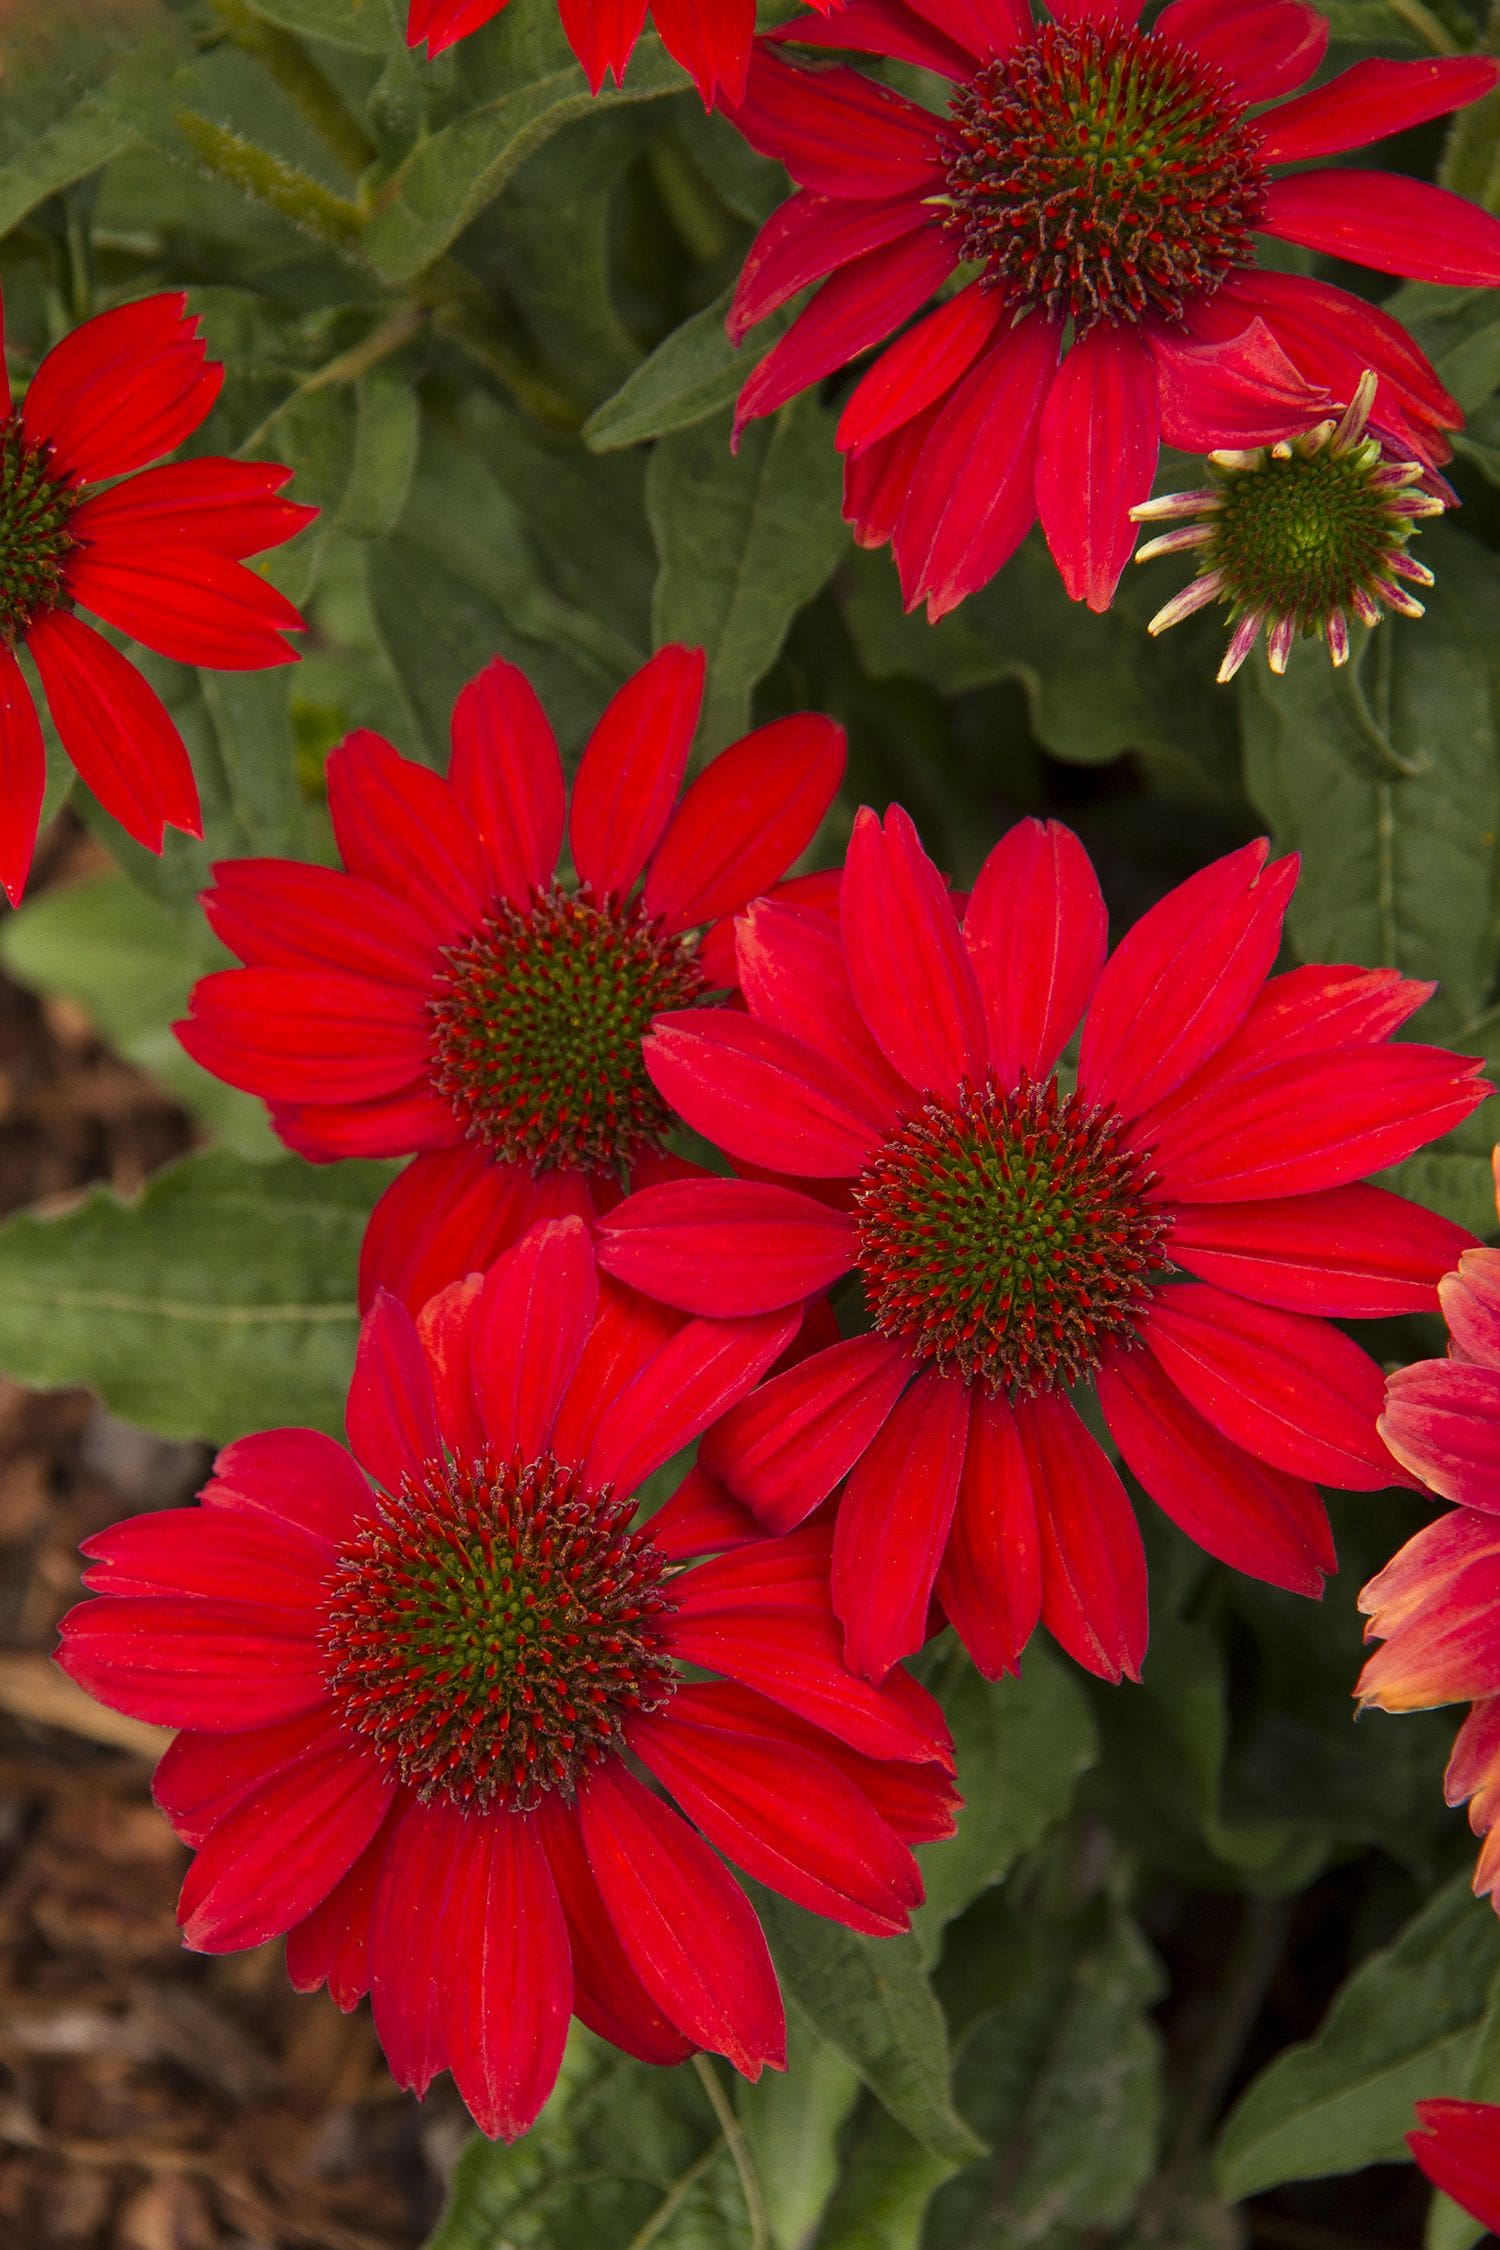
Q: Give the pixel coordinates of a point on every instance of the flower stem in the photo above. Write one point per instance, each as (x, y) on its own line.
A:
(1388, 759)
(744, 2163)
(311, 92)
(268, 179)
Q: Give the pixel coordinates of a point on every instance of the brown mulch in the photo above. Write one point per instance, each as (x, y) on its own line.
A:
(150, 2099)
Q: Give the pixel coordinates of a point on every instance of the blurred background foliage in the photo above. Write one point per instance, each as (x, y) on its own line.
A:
(1196, 1940)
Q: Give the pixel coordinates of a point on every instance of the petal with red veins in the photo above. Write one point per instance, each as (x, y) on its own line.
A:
(1037, 932)
(188, 603)
(1470, 1299)
(1265, 48)
(725, 1247)
(905, 954)
(1388, 221)
(1097, 451)
(784, 1448)
(231, 506)
(920, 367)
(530, 1324)
(1093, 1562)
(219, 1666)
(121, 389)
(700, 1519)
(913, 34)
(1257, 1519)
(711, 43)
(445, 1331)
(506, 778)
(199, 1777)
(300, 1477)
(1235, 390)
(608, 1996)
(762, 1096)
(696, 1376)
(454, 1211)
(601, 33)
(391, 1414)
(295, 1035)
(282, 1847)
(1291, 1390)
(332, 1945)
(784, 1815)
(892, 1524)
(860, 305)
(115, 729)
(509, 1979)
(23, 777)
(399, 825)
(990, 1581)
(803, 241)
(792, 972)
(1371, 101)
(750, 813)
(838, 132)
(1457, 2145)
(204, 1551)
(632, 769)
(686, 1927)
(289, 914)
(1182, 980)
(1353, 1253)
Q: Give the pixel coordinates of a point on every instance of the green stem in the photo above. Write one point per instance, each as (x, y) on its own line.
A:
(347, 367)
(463, 310)
(744, 2164)
(310, 91)
(1387, 757)
(268, 179)
(1426, 25)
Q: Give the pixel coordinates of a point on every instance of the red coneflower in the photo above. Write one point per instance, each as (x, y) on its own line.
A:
(447, 994)
(710, 38)
(158, 555)
(1022, 1233)
(1103, 187)
(419, 1687)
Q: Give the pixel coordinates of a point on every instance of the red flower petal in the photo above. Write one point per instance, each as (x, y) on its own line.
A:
(972, 496)
(803, 240)
(751, 812)
(907, 963)
(1264, 47)
(396, 1125)
(1442, 1420)
(1094, 11)
(784, 1448)
(281, 1848)
(332, 1945)
(1093, 1563)
(287, 914)
(608, 1996)
(1256, 1519)
(1370, 101)
(920, 367)
(685, 1925)
(507, 781)
(440, 24)
(1190, 969)
(784, 1815)
(508, 1968)
(1316, 1122)
(1096, 457)
(602, 34)
(299, 1477)
(878, 481)
(454, 1211)
(230, 506)
(115, 730)
(1388, 221)
(762, 1096)
(196, 1551)
(1458, 2147)
(712, 44)
(862, 304)
(691, 1381)
(990, 1582)
(1235, 390)
(1354, 1253)
(122, 389)
(1332, 337)
(701, 1519)
(836, 131)
(793, 974)
(446, 1333)
(199, 1777)
(1434, 1605)
(1470, 1299)
(632, 769)
(725, 1247)
(398, 824)
(530, 1324)
(391, 1414)
(893, 1520)
(916, 34)
(188, 603)
(220, 1666)
(1287, 1388)
(23, 777)
(1037, 932)
(629, 1331)
(307, 1036)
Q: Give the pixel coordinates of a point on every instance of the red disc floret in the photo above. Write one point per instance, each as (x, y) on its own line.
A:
(1102, 175)
(1006, 1235)
(491, 1627)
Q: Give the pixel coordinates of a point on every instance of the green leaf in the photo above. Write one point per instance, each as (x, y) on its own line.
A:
(387, 439)
(554, 237)
(1403, 2026)
(621, 2156)
(693, 373)
(450, 177)
(219, 1300)
(131, 964)
(743, 541)
(69, 150)
(870, 2000)
(1401, 867)
(1060, 2068)
(885, 2190)
(1022, 1745)
(365, 25)
(791, 2121)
